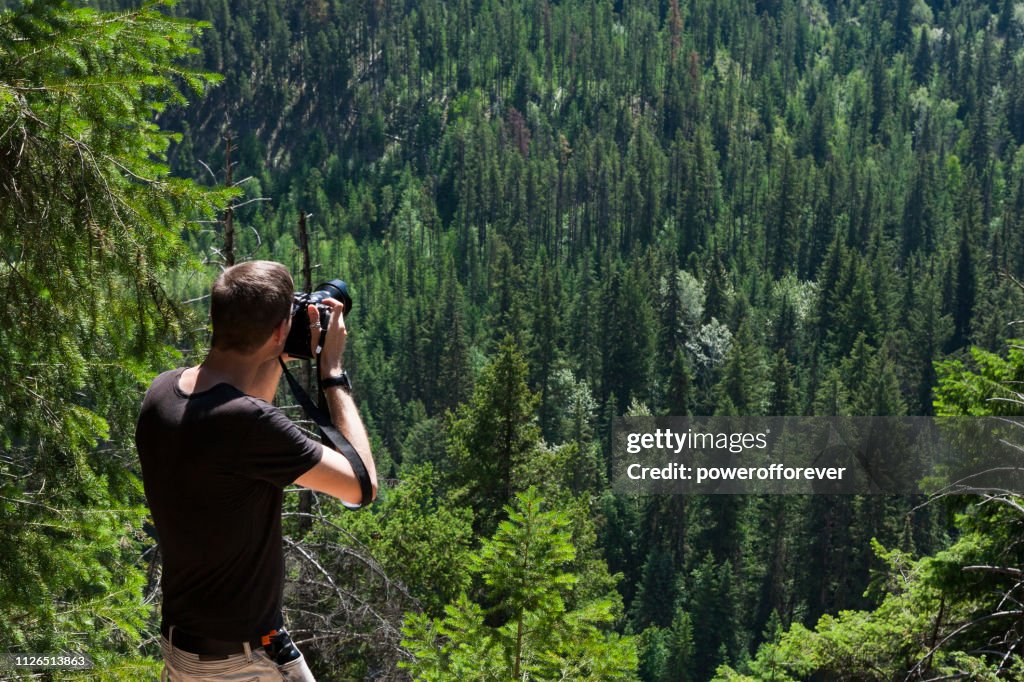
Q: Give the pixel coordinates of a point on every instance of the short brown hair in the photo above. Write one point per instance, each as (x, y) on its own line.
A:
(247, 301)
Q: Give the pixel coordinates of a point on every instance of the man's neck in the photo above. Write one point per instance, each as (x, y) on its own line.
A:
(224, 367)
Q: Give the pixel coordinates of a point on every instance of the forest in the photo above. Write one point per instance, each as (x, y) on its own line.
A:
(550, 214)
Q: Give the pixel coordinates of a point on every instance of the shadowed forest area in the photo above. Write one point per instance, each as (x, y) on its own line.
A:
(550, 214)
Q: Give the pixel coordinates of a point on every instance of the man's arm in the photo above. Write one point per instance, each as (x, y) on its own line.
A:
(333, 474)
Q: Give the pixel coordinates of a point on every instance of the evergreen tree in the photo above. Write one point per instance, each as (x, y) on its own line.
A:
(494, 436)
(782, 400)
(544, 347)
(628, 339)
(454, 381)
(785, 233)
(717, 300)
(929, 332)
(831, 399)
(880, 92)
(708, 598)
(901, 24)
(923, 59)
(656, 591)
(680, 386)
(879, 391)
(681, 652)
(858, 311)
(966, 290)
(743, 377)
(530, 631)
(89, 228)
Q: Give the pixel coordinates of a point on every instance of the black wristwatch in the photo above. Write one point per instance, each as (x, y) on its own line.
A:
(340, 380)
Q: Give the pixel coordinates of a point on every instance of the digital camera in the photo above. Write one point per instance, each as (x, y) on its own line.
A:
(299, 339)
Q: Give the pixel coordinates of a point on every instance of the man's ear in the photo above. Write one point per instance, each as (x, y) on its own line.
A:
(281, 331)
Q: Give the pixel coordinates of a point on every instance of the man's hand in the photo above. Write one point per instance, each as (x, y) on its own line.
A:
(313, 314)
(332, 354)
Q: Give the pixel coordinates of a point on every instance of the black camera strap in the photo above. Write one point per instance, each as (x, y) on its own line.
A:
(333, 436)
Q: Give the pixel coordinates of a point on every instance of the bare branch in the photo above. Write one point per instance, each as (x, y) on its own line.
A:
(1015, 572)
(208, 170)
(957, 631)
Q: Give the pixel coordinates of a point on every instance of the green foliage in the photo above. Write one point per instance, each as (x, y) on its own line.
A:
(839, 182)
(940, 615)
(927, 604)
(493, 437)
(990, 386)
(526, 630)
(89, 224)
(419, 539)
(743, 386)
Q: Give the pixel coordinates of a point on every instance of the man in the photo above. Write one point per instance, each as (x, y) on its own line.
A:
(216, 456)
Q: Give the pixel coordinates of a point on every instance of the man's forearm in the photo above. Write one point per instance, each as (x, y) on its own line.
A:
(345, 417)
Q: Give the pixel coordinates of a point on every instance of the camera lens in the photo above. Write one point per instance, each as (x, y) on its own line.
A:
(335, 289)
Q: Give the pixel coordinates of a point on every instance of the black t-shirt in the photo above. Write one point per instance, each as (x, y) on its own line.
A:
(214, 464)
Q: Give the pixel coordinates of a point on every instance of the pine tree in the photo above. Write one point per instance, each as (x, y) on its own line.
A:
(966, 290)
(929, 331)
(681, 650)
(628, 339)
(782, 401)
(901, 24)
(531, 631)
(717, 300)
(743, 384)
(89, 224)
(785, 233)
(918, 227)
(785, 329)
(493, 436)
(858, 311)
(453, 377)
(831, 398)
(709, 601)
(656, 591)
(680, 400)
(923, 59)
(879, 391)
(544, 349)
(857, 370)
(880, 92)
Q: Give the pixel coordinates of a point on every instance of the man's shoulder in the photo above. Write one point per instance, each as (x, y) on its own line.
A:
(163, 385)
(221, 400)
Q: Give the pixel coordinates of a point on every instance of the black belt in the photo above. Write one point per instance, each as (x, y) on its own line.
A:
(206, 646)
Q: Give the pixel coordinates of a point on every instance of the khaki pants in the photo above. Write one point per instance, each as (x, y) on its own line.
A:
(251, 666)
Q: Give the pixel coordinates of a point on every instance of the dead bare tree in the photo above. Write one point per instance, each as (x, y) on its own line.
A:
(225, 255)
(229, 212)
(340, 605)
(306, 496)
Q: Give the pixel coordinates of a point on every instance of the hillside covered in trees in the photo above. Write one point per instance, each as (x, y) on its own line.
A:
(550, 214)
